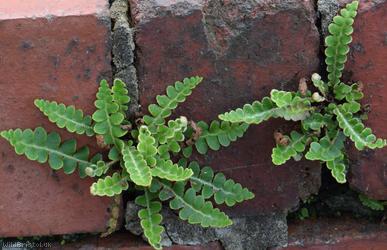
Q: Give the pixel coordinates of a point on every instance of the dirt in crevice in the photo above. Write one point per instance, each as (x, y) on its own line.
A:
(335, 200)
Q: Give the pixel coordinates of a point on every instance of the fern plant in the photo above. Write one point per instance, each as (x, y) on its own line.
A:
(328, 116)
(371, 203)
(150, 155)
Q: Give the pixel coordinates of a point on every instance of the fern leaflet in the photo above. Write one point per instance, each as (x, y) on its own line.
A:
(136, 166)
(39, 146)
(194, 208)
(107, 117)
(356, 131)
(150, 218)
(223, 190)
(337, 43)
(109, 186)
(66, 117)
(218, 134)
(166, 103)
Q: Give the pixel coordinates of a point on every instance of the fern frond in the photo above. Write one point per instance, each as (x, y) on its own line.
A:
(109, 186)
(283, 153)
(290, 106)
(319, 84)
(356, 131)
(338, 40)
(136, 166)
(350, 93)
(150, 218)
(254, 113)
(167, 103)
(223, 190)
(39, 146)
(327, 149)
(371, 203)
(66, 117)
(338, 169)
(170, 136)
(174, 131)
(100, 167)
(283, 104)
(218, 134)
(107, 117)
(147, 145)
(315, 121)
(193, 208)
(120, 95)
(166, 169)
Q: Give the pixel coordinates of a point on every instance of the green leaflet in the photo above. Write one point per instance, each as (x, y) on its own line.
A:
(282, 154)
(218, 134)
(315, 121)
(193, 208)
(99, 168)
(337, 43)
(166, 103)
(150, 218)
(338, 169)
(39, 146)
(282, 104)
(290, 106)
(356, 131)
(166, 169)
(320, 84)
(147, 145)
(223, 190)
(327, 149)
(348, 92)
(66, 117)
(108, 117)
(173, 132)
(371, 203)
(109, 186)
(136, 166)
(120, 95)
(170, 136)
(254, 113)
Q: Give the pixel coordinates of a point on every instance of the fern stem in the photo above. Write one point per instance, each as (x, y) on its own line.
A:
(111, 163)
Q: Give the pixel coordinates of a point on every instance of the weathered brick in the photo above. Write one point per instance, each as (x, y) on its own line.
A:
(58, 50)
(243, 49)
(336, 234)
(368, 171)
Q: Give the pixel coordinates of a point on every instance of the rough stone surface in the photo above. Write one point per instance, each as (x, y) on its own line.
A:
(123, 51)
(367, 64)
(255, 232)
(243, 49)
(59, 58)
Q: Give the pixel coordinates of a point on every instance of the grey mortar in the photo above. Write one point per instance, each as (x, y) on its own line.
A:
(123, 51)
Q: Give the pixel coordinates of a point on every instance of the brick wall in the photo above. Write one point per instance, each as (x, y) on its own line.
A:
(60, 50)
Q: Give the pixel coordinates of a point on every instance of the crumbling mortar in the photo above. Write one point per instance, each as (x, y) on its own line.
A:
(123, 51)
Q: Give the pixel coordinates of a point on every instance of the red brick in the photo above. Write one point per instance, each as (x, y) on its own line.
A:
(126, 241)
(367, 63)
(336, 234)
(243, 50)
(59, 51)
